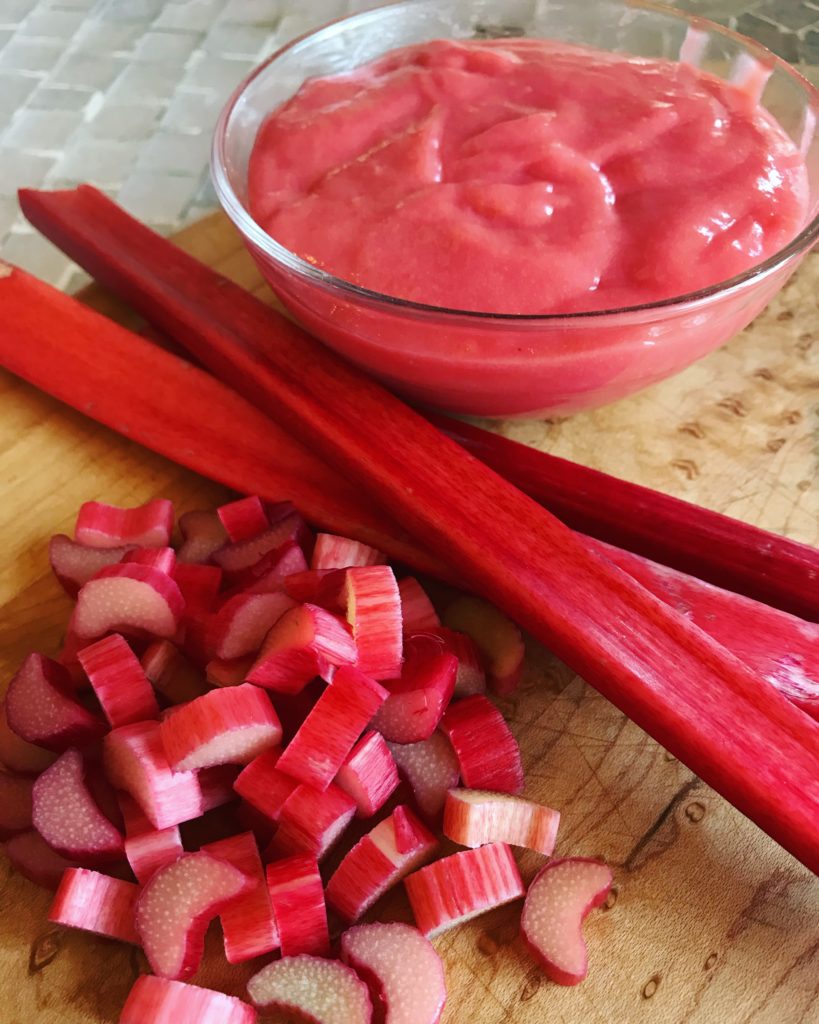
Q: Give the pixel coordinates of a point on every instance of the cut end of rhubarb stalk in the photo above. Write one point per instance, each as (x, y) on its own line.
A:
(128, 598)
(243, 621)
(75, 564)
(175, 907)
(419, 698)
(402, 970)
(475, 817)
(323, 991)
(431, 769)
(497, 638)
(96, 903)
(155, 1000)
(559, 899)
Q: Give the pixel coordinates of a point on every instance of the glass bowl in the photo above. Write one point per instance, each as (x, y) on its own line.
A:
(507, 364)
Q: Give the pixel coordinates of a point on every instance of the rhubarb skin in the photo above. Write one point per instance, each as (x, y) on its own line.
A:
(488, 754)
(462, 886)
(96, 903)
(297, 897)
(243, 621)
(155, 1000)
(474, 817)
(312, 821)
(263, 786)
(119, 681)
(244, 518)
(559, 899)
(147, 852)
(417, 611)
(374, 612)
(369, 774)
(320, 991)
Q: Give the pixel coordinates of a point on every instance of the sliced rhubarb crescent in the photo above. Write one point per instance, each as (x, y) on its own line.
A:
(297, 897)
(474, 817)
(419, 697)
(402, 970)
(119, 681)
(155, 1000)
(488, 754)
(243, 621)
(96, 903)
(128, 598)
(495, 635)
(322, 991)
(557, 902)
(176, 906)
(369, 774)
(74, 564)
(106, 526)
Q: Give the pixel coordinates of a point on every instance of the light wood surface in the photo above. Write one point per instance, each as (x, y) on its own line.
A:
(709, 921)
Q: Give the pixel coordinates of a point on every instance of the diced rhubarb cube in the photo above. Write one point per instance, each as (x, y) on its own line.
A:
(176, 906)
(431, 769)
(369, 774)
(558, 901)
(471, 676)
(31, 855)
(248, 923)
(228, 672)
(462, 886)
(75, 564)
(67, 816)
(488, 754)
(199, 586)
(342, 712)
(128, 598)
(106, 526)
(244, 518)
(417, 611)
(375, 863)
(418, 699)
(234, 558)
(202, 535)
(171, 673)
(96, 903)
(400, 967)
(320, 991)
(374, 613)
(163, 559)
(324, 587)
(475, 817)
(497, 638)
(135, 761)
(155, 1000)
(18, 755)
(41, 708)
(263, 786)
(15, 804)
(119, 681)
(303, 644)
(228, 726)
(332, 552)
(243, 621)
(297, 898)
(312, 820)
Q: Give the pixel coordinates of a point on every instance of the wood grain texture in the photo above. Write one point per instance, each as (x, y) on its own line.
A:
(709, 921)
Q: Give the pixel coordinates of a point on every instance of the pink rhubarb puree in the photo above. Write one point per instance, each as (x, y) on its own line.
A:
(525, 176)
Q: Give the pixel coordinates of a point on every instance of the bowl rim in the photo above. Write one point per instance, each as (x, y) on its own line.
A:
(254, 232)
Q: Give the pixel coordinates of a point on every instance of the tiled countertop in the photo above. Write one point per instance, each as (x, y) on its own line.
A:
(130, 102)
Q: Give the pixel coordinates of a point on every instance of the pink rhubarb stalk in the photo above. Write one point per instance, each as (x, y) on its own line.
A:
(297, 897)
(488, 754)
(106, 526)
(96, 903)
(119, 681)
(162, 1001)
(369, 774)
(374, 613)
(474, 817)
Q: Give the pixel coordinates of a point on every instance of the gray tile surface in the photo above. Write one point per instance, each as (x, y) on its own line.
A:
(125, 94)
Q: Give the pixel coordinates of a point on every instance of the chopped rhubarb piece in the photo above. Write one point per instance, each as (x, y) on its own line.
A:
(148, 849)
(475, 817)
(417, 611)
(31, 855)
(228, 672)
(243, 519)
(263, 786)
(135, 762)
(243, 621)
(332, 552)
(75, 564)
(400, 967)
(368, 774)
(312, 820)
(67, 816)
(297, 897)
(198, 584)
(497, 638)
(342, 712)
(462, 886)
(18, 755)
(431, 769)
(268, 574)
(163, 559)
(96, 903)
(119, 681)
(237, 557)
(320, 991)
(471, 676)
(375, 863)
(174, 909)
(374, 612)
(106, 526)
(15, 804)
(202, 535)
(41, 709)
(488, 754)
(303, 644)
(229, 726)
(558, 900)
(419, 698)
(155, 1000)
(171, 673)
(323, 587)
(248, 923)
(128, 598)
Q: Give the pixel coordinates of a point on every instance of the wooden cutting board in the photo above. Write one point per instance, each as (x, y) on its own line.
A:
(709, 922)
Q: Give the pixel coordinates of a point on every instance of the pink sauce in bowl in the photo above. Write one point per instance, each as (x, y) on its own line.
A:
(402, 286)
